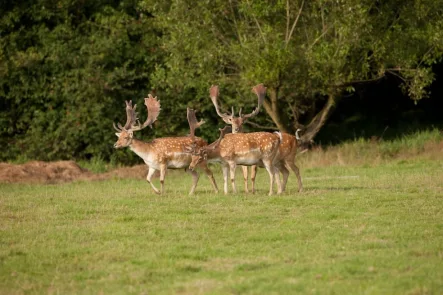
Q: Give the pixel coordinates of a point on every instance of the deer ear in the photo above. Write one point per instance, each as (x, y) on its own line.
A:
(118, 134)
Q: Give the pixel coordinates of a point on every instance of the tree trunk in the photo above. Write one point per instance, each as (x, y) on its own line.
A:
(272, 109)
(319, 120)
(311, 129)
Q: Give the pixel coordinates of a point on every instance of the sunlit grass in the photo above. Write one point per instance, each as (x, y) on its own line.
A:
(355, 230)
(426, 145)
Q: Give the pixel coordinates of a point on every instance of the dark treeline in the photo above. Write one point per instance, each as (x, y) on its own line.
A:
(66, 68)
(382, 111)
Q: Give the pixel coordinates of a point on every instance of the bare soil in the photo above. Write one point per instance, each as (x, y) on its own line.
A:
(61, 171)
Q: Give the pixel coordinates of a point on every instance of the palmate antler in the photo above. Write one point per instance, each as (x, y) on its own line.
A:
(153, 109)
(131, 117)
(213, 93)
(259, 89)
(192, 120)
(193, 124)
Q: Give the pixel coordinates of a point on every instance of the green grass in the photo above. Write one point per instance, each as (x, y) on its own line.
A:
(425, 145)
(367, 229)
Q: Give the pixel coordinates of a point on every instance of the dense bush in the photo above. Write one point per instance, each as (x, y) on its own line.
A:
(67, 66)
(66, 69)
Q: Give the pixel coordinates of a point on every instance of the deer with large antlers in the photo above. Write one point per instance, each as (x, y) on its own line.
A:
(237, 122)
(160, 153)
(284, 160)
(287, 149)
(240, 149)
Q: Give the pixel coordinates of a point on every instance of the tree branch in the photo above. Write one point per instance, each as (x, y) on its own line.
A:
(319, 120)
(270, 105)
(294, 113)
(261, 126)
(424, 55)
(319, 37)
(287, 20)
(258, 25)
(235, 23)
(295, 23)
(359, 81)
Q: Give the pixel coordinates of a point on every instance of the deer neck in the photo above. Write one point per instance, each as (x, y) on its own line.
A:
(214, 154)
(139, 147)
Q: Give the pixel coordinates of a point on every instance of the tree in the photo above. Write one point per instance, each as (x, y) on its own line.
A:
(66, 68)
(308, 53)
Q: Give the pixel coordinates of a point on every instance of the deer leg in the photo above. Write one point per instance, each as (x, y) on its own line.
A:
(295, 169)
(162, 178)
(274, 173)
(225, 169)
(245, 177)
(285, 172)
(151, 172)
(253, 174)
(277, 179)
(270, 168)
(211, 177)
(195, 177)
(232, 166)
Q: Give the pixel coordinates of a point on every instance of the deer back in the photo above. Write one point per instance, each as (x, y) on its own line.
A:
(166, 150)
(260, 144)
(288, 146)
(174, 145)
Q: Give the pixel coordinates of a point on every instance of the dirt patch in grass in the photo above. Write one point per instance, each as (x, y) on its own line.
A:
(61, 171)
(424, 146)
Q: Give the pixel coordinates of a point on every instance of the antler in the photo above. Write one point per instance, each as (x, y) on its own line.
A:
(153, 108)
(131, 117)
(193, 124)
(213, 92)
(192, 120)
(260, 90)
(227, 129)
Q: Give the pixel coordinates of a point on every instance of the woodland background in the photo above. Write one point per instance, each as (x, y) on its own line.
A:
(337, 69)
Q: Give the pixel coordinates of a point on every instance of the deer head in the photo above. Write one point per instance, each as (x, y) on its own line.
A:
(199, 155)
(230, 118)
(125, 133)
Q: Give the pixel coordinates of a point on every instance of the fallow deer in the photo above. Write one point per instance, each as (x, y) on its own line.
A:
(160, 153)
(287, 149)
(237, 122)
(240, 149)
(284, 160)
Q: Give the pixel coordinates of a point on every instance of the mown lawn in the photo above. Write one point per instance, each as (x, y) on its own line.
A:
(355, 230)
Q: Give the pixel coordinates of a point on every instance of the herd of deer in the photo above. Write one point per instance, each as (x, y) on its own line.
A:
(273, 151)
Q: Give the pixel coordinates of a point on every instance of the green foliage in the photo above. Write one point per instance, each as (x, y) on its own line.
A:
(95, 165)
(302, 50)
(67, 67)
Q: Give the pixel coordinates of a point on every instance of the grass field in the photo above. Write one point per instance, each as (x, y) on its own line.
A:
(355, 230)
